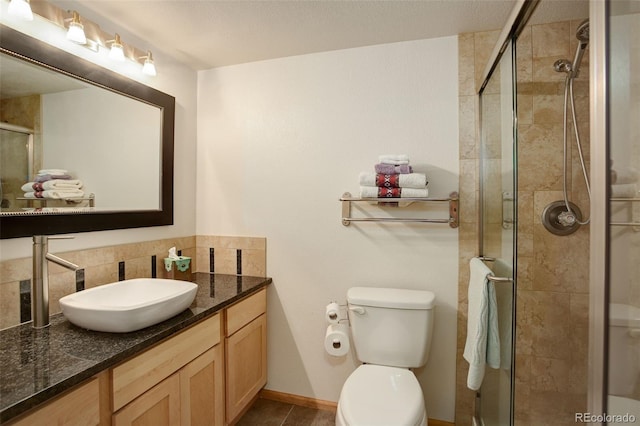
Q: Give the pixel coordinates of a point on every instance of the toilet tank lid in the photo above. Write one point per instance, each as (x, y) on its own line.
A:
(391, 298)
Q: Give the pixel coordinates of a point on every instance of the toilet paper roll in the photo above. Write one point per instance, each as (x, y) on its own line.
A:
(336, 340)
(332, 313)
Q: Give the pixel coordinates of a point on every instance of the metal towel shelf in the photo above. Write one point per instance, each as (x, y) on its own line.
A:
(347, 199)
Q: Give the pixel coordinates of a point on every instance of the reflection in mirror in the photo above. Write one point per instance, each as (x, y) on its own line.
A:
(108, 144)
(108, 138)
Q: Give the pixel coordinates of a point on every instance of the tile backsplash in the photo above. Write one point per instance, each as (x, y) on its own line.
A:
(103, 265)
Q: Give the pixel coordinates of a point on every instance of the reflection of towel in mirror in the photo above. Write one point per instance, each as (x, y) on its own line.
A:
(58, 195)
(52, 172)
(411, 180)
(61, 184)
(482, 345)
(44, 178)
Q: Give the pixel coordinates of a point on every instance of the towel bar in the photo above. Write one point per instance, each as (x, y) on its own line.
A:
(347, 199)
(499, 279)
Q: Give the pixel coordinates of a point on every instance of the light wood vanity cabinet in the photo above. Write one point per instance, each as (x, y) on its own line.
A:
(207, 374)
(178, 381)
(192, 379)
(246, 352)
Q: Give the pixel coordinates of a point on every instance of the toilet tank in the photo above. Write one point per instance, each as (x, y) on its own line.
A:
(391, 326)
(624, 348)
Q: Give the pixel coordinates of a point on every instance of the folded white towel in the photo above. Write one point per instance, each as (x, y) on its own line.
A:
(483, 339)
(56, 195)
(624, 175)
(624, 190)
(52, 172)
(396, 159)
(61, 184)
(409, 180)
(377, 192)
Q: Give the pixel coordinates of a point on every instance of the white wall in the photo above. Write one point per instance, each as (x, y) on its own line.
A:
(173, 78)
(279, 141)
(109, 142)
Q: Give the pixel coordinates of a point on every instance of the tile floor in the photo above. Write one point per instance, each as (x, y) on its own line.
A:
(265, 412)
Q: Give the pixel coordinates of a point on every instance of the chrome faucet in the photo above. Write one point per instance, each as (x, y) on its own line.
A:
(40, 281)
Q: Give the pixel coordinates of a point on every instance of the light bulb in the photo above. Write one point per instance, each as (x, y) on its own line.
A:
(117, 52)
(20, 8)
(149, 68)
(76, 30)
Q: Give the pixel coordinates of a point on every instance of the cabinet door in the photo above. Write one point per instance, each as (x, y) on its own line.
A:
(202, 386)
(246, 354)
(159, 406)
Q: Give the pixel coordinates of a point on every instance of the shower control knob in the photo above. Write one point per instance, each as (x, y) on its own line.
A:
(567, 219)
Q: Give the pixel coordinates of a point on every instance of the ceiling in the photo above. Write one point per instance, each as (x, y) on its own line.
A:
(206, 34)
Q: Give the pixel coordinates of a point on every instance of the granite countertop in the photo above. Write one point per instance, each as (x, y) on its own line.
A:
(36, 365)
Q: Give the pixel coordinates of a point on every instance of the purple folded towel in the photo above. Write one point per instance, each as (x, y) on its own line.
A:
(390, 169)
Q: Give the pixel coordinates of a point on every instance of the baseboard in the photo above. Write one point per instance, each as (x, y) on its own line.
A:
(319, 403)
(434, 422)
(298, 400)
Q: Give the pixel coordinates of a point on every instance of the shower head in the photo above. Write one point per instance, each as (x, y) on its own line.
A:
(582, 34)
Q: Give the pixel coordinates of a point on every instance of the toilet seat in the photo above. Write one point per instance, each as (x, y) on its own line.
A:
(376, 395)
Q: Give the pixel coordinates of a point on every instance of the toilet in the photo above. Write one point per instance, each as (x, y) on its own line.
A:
(624, 349)
(391, 330)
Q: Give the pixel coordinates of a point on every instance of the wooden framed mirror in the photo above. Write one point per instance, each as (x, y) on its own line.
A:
(123, 153)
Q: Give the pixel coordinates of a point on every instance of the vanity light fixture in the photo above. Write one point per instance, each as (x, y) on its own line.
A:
(148, 67)
(86, 32)
(76, 30)
(21, 9)
(117, 52)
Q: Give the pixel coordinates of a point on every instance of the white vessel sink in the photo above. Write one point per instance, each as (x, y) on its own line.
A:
(128, 305)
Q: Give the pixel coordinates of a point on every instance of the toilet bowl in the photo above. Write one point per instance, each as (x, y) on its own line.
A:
(624, 349)
(376, 395)
(622, 410)
(391, 330)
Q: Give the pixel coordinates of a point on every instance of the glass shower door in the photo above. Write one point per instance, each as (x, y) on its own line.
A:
(498, 230)
(624, 209)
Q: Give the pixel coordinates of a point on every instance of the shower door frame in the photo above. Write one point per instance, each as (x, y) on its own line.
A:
(598, 250)
(29, 132)
(520, 14)
(30, 145)
(599, 206)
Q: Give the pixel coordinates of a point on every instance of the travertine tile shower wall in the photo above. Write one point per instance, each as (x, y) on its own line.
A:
(103, 265)
(553, 281)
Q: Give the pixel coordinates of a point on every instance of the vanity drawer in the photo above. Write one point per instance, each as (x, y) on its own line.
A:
(242, 313)
(135, 376)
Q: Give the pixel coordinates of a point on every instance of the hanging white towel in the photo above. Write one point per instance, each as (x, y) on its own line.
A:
(483, 339)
